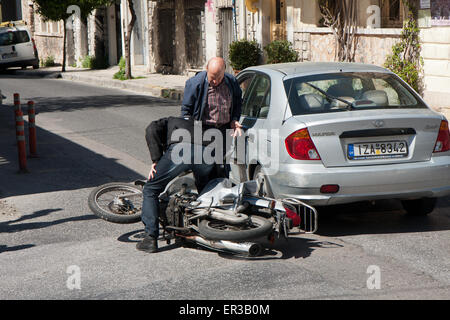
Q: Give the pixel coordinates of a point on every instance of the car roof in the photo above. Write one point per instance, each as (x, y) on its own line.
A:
(300, 68)
(12, 29)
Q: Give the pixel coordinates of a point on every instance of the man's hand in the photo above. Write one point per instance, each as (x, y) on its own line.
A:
(236, 126)
(152, 171)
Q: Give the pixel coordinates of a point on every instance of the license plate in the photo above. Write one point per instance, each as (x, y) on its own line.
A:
(377, 150)
(9, 55)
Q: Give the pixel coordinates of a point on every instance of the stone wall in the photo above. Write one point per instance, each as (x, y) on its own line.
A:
(436, 55)
(318, 44)
(49, 46)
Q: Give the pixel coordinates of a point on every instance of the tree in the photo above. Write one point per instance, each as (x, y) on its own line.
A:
(128, 40)
(56, 10)
(340, 16)
(405, 59)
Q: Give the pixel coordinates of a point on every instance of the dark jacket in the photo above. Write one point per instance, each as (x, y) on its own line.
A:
(195, 93)
(159, 134)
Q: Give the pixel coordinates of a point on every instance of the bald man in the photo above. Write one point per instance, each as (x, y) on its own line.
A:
(214, 97)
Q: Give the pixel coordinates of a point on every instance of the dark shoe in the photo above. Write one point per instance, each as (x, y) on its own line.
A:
(148, 244)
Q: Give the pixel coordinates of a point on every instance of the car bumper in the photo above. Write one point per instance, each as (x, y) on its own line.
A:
(21, 63)
(399, 181)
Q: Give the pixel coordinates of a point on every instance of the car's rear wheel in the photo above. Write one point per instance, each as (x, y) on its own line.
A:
(419, 207)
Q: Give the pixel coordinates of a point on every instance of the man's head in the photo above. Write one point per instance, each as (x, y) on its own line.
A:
(215, 70)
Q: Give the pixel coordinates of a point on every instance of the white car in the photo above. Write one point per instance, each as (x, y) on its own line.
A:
(335, 133)
(17, 47)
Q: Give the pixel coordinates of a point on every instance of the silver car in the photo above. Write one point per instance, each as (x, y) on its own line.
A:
(334, 133)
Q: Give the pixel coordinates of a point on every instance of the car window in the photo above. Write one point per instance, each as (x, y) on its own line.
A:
(13, 37)
(348, 91)
(393, 96)
(258, 100)
(244, 82)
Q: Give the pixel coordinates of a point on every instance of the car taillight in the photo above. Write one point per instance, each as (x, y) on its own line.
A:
(443, 139)
(300, 146)
(34, 46)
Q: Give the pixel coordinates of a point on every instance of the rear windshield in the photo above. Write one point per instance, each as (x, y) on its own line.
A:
(348, 91)
(13, 37)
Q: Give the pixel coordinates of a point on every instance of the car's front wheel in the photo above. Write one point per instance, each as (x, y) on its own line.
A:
(419, 207)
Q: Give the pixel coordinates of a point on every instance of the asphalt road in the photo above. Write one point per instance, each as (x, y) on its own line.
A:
(88, 136)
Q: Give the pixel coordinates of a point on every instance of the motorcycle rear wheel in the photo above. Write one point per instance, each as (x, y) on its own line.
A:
(219, 230)
(102, 204)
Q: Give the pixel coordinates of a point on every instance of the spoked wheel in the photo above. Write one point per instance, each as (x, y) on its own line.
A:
(218, 230)
(117, 202)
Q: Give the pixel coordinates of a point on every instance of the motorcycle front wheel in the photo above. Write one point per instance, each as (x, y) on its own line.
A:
(219, 230)
(117, 202)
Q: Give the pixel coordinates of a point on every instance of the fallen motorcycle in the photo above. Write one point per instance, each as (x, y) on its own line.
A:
(224, 217)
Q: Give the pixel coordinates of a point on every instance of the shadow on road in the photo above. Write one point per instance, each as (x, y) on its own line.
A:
(295, 247)
(51, 104)
(61, 165)
(19, 225)
(4, 248)
(380, 218)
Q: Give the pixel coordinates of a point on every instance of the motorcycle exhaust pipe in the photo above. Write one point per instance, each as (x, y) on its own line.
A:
(252, 249)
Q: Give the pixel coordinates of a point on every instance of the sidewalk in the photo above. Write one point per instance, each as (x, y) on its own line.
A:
(154, 84)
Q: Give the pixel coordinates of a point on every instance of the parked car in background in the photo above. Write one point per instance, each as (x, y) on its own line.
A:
(17, 47)
(339, 133)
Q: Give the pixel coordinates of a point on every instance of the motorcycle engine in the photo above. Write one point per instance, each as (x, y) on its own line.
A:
(173, 214)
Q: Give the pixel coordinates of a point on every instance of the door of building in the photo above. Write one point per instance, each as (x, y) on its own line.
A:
(278, 20)
(193, 34)
(166, 27)
(225, 34)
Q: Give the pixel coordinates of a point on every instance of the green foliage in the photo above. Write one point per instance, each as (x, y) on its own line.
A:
(92, 62)
(56, 10)
(120, 75)
(48, 62)
(122, 63)
(405, 59)
(280, 51)
(244, 54)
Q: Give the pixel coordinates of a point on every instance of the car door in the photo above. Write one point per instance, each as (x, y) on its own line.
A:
(252, 147)
(238, 156)
(24, 45)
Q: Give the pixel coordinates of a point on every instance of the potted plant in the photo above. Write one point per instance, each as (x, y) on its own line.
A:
(243, 54)
(279, 51)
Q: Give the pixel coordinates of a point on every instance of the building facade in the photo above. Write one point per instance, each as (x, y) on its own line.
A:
(180, 36)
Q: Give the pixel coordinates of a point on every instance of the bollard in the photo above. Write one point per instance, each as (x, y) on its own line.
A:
(21, 145)
(17, 107)
(32, 129)
(16, 102)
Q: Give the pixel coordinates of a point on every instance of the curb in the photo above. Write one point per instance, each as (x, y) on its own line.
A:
(35, 73)
(156, 91)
